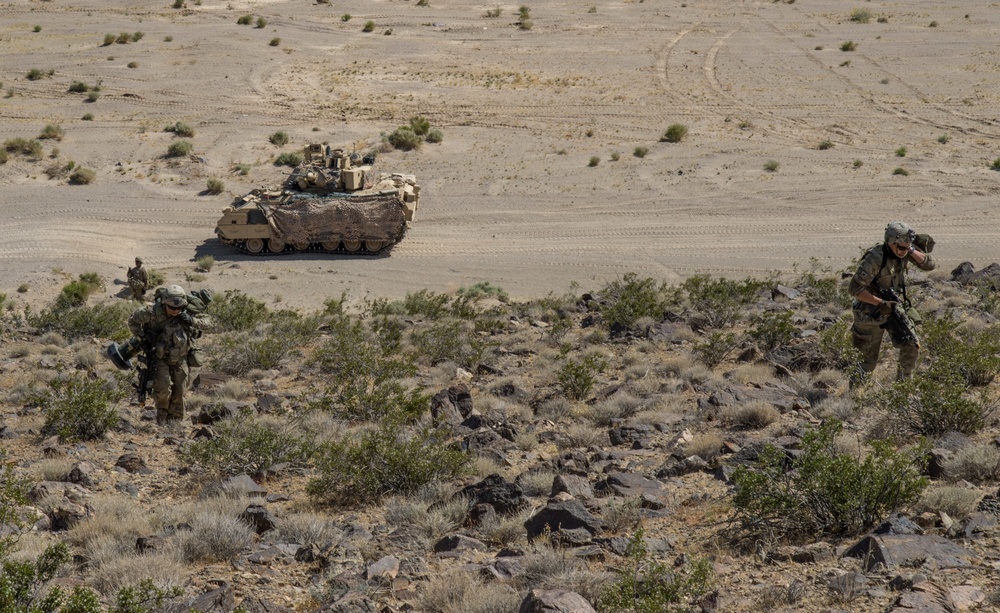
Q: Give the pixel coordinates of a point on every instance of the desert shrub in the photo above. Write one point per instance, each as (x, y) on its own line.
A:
(245, 443)
(52, 131)
(180, 129)
(275, 42)
(721, 301)
(640, 152)
(13, 495)
(861, 15)
(35, 74)
(822, 491)
(577, 378)
(25, 587)
(857, 164)
(24, 146)
(386, 460)
(420, 125)
(645, 585)
(675, 133)
(82, 176)
(261, 23)
(205, 263)
(449, 340)
(109, 39)
(404, 139)
(753, 416)
(836, 345)
(773, 329)
(215, 186)
(242, 168)
(494, 12)
(622, 515)
(594, 161)
(145, 597)
(973, 355)
(955, 500)
(824, 145)
(180, 148)
(93, 96)
(4, 156)
(901, 171)
(365, 375)
(932, 404)
(104, 320)
(79, 408)
(238, 354)
(975, 463)
(75, 293)
(823, 289)
(279, 138)
(630, 299)
(426, 303)
(771, 165)
(714, 347)
(345, 17)
(137, 36)
(292, 159)
(215, 535)
(123, 38)
(849, 45)
(235, 311)
(995, 165)
(244, 20)
(369, 26)
(901, 152)
(434, 136)
(523, 12)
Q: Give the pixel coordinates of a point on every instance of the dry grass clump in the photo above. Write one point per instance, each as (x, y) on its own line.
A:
(975, 463)
(429, 522)
(536, 484)
(20, 350)
(459, 593)
(582, 435)
(111, 530)
(954, 500)
(526, 441)
(503, 531)
(550, 567)
(837, 407)
(86, 358)
(215, 536)
(304, 529)
(752, 416)
(752, 374)
(52, 469)
(556, 408)
(234, 389)
(53, 339)
(621, 516)
(620, 406)
(707, 446)
(164, 569)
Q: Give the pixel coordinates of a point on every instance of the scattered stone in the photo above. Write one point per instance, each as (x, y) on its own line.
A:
(452, 405)
(897, 524)
(217, 411)
(82, 473)
(243, 483)
(628, 485)
(561, 516)
(480, 514)
(385, 568)
(219, 600)
(966, 274)
(631, 435)
(505, 497)
(206, 381)
(268, 403)
(259, 518)
(459, 542)
(127, 487)
(147, 544)
(847, 586)
(554, 601)
(926, 597)
(503, 569)
(133, 464)
(910, 550)
(259, 605)
(574, 485)
(811, 553)
(679, 468)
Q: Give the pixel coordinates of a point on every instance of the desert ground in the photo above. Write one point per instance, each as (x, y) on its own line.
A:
(508, 196)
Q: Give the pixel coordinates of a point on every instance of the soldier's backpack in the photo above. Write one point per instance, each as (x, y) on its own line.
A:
(198, 301)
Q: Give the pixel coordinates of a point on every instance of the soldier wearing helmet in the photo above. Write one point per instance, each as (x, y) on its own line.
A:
(170, 329)
(138, 280)
(884, 267)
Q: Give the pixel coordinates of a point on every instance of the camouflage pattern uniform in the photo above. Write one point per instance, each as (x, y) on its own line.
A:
(171, 339)
(881, 269)
(138, 280)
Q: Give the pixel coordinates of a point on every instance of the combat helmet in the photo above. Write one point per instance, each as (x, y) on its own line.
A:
(138, 260)
(899, 233)
(176, 297)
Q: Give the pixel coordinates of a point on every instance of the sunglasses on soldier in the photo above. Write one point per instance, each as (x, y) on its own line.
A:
(174, 309)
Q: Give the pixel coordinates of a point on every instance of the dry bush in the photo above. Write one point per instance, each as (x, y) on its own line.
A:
(503, 531)
(459, 593)
(664, 409)
(483, 466)
(752, 416)
(53, 339)
(707, 446)
(51, 350)
(621, 516)
(556, 409)
(975, 463)
(526, 441)
(620, 406)
(837, 407)
(748, 374)
(537, 484)
(20, 350)
(111, 530)
(86, 359)
(549, 567)
(304, 529)
(642, 381)
(164, 569)
(429, 522)
(215, 536)
(52, 469)
(234, 389)
(582, 435)
(954, 500)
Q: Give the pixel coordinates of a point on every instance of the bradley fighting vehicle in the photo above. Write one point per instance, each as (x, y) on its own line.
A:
(331, 203)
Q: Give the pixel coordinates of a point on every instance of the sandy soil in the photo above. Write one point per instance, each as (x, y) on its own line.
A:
(508, 196)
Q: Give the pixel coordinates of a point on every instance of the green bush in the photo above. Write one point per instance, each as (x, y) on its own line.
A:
(420, 125)
(368, 27)
(79, 408)
(404, 139)
(75, 293)
(721, 301)
(35, 74)
(238, 354)
(108, 40)
(645, 585)
(82, 176)
(995, 165)
(24, 146)
(106, 320)
(366, 374)
(933, 403)
(715, 347)
(861, 15)
(577, 378)
(849, 45)
(972, 355)
(824, 145)
(675, 133)
(123, 38)
(427, 304)
(180, 129)
(52, 131)
(13, 496)
(434, 136)
(235, 311)
(449, 340)
(25, 587)
(279, 138)
(773, 329)
(137, 36)
(387, 460)
(901, 172)
(292, 159)
(494, 12)
(261, 23)
(214, 186)
(180, 148)
(640, 152)
(245, 443)
(901, 152)
(837, 347)
(93, 96)
(624, 302)
(523, 12)
(822, 492)
(594, 161)
(244, 20)
(205, 263)
(771, 165)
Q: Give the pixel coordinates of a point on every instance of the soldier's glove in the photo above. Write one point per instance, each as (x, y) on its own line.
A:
(885, 308)
(186, 318)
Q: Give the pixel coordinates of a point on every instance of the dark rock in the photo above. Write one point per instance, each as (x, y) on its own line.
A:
(590, 553)
(812, 553)
(215, 412)
(51, 448)
(209, 380)
(511, 391)
(352, 602)
(269, 403)
(259, 518)
(204, 433)
(145, 544)
(459, 542)
(937, 458)
(481, 441)
(897, 524)
(847, 586)
(966, 274)
(782, 291)
(503, 569)
(574, 485)
(58, 489)
(617, 545)
(259, 605)
(82, 473)
(561, 515)
(628, 485)
(505, 497)
(574, 537)
(243, 483)
(554, 601)
(678, 468)
(128, 488)
(452, 405)
(219, 600)
(481, 513)
(926, 597)
(66, 514)
(979, 522)
(133, 464)
(908, 550)
(308, 553)
(627, 435)
(668, 332)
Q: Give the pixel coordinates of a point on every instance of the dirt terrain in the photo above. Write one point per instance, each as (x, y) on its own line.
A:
(508, 196)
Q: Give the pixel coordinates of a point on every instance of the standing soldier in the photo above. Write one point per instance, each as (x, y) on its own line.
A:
(170, 328)
(138, 280)
(884, 268)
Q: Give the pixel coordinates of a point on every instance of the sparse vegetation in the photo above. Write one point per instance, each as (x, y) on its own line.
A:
(640, 152)
(943, 139)
(261, 23)
(214, 186)
(771, 165)
(404, 139)
(594, 161)
(861, 15)
(824, 145)
(901, 152)
(493, 13)
(180, 129)
(79, 408)
(368, 27)
(675, 133)
(292, 159)
(279, 139)
(82, 176)
(244, 20)
(275, 42)
(849, 45)
(899, 170)
(180, 148)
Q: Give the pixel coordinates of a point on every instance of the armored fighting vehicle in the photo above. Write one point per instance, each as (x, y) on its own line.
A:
(331, 203)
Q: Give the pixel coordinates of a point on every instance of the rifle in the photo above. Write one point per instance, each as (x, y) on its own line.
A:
(144, 369)
(898, 324)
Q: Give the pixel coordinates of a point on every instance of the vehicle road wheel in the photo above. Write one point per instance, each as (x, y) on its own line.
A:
(330, 245)
(374, 245)
(276, 245)
(300, 245)
(352, 245)
(255, 245)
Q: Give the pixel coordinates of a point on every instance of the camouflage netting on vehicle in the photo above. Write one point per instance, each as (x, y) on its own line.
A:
(373, 217)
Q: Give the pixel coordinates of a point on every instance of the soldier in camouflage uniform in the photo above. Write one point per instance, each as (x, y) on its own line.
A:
(884, 267)
(171, 327)
(138, 280)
